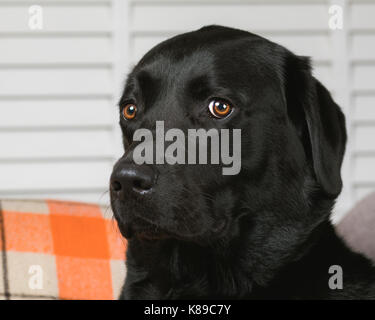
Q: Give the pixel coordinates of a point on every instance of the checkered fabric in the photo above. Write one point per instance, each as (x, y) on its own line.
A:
(59, 250)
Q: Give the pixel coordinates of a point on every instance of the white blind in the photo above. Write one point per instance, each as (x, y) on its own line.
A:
(361, 60)
(56, 100)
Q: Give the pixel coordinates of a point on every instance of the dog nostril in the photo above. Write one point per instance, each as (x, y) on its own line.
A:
(116, 186)
(141, 185)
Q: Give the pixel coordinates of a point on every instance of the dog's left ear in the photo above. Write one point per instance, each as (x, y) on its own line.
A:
(319, 121)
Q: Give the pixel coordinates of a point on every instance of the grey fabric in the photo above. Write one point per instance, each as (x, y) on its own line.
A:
(358, 227)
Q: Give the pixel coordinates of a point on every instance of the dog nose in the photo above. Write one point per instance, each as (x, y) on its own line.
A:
(131, 177)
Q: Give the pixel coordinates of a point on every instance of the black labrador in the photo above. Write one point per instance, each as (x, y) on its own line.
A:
(263, 233)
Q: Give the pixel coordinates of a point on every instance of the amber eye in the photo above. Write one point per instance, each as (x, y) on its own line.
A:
(129, 111)
(219, 109)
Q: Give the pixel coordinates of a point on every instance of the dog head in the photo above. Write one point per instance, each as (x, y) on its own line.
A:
(291, 147)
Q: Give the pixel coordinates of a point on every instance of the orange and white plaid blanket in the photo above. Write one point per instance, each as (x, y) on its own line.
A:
(59, 250)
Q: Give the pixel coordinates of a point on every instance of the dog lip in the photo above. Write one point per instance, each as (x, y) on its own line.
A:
(142, 191)
(142, 229)
(144, 235)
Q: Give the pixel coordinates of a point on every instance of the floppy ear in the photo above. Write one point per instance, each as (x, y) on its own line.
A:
(319, 120)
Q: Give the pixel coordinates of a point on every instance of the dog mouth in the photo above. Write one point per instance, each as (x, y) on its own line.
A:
(146, 231)
(143, 230)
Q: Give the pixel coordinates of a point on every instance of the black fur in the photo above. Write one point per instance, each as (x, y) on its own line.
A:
(264, 233)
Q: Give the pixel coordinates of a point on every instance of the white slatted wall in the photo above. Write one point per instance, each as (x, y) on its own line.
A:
(58, 86)
(56, 100)
(361, 56)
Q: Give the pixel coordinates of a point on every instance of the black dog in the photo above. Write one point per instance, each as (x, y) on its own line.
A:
(263, 233)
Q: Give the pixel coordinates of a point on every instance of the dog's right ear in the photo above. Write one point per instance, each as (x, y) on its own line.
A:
(319, 121)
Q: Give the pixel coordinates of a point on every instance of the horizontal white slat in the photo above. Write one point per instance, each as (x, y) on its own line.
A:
(96, 17)
(91, 196)
(55, 81)
(28, 50)
(365, 139)
(65, 144)
(317, 46)
(86, 2)
(364, 107)
(181, 17)
(54, 176)
(364, 169)
(233, 2)
(362, 16)
(363, 77)
(56, 113)
(141, 44)
(363, 46)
